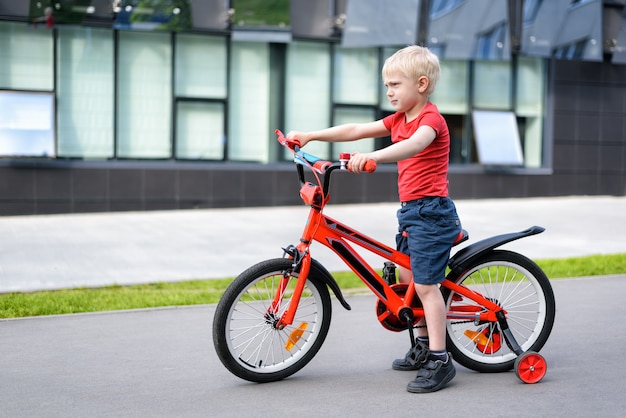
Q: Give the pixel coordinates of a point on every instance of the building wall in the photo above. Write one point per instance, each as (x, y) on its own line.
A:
(589, 128)
(587, 115)
(588, 119)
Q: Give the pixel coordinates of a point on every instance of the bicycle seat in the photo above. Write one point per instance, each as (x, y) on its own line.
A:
(463, 236)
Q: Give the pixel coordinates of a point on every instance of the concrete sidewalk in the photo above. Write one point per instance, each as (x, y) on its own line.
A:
(64, 251)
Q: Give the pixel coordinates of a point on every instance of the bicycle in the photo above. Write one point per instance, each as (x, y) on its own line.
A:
(274, 317)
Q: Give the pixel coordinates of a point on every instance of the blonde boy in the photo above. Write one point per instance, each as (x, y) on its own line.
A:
(427, 218)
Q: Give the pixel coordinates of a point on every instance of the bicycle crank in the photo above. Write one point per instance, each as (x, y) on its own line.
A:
(390, 320)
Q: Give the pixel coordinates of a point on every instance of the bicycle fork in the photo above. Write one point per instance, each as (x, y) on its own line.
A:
(303, 260)
(301, 257)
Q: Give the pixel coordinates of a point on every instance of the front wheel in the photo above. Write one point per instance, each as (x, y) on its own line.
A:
(245, 335)
(522, 289)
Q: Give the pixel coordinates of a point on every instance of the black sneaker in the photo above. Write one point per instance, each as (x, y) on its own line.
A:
(432, 376)
(413, 359)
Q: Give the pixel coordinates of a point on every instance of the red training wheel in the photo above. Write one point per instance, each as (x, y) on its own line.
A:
(530, 367)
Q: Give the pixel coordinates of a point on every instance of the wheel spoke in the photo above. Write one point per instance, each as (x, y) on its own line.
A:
(522, 290)
(246, 334)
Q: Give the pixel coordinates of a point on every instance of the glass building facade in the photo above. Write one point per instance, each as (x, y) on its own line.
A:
(209, 81)
(184, 95)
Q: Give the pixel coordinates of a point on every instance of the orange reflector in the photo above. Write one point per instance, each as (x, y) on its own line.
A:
(295, 335)
(479, 338)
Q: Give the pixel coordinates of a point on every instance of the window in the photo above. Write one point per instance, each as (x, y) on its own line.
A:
(200, 130)
(200, 66)
(154, 15)
(384, 101)
(356, 92)
(26, 57)
(440, 7)
(356, 77)
(85, 93)
(249, 115)
(531, 8)
(529, 93)
(574, 50)
(491, 44)
(452, 99)
(517, 86)
(364, 28)
(144, 94)
(201, 90)
(73, 13)
(261, 13)
(452, 90)
(492, 85)
(307, 91)
(579, 2)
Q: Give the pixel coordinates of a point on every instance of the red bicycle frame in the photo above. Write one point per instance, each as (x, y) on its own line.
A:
(338, 237)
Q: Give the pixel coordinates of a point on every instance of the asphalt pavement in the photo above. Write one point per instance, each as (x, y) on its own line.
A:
(91, 250)
(161, 363)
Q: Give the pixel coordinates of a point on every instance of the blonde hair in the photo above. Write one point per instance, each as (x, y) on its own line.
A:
(414, 62)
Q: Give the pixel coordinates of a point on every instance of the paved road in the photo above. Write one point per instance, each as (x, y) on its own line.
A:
(161, 363)
(151, 363)
(64, 251)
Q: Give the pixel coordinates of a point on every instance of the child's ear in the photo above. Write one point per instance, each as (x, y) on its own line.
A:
(422, 84)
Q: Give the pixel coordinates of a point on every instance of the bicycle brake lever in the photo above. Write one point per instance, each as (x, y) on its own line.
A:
(291, 143)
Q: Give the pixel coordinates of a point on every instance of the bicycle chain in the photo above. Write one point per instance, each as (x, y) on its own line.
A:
(453, 323)
(463, 322)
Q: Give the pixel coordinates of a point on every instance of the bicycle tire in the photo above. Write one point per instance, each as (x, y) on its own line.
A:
(244, 336)
(518, 285)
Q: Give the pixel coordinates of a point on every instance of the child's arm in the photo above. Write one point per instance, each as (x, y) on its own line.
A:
(342, 133)
(402, 150)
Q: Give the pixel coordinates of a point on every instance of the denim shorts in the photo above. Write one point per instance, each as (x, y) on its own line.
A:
(427, 229)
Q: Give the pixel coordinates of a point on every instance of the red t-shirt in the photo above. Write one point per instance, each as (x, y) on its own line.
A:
(426, 173)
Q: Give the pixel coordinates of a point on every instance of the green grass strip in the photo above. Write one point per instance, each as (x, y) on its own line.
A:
(195, 292)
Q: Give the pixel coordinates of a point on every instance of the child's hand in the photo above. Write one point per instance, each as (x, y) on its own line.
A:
(357, 162)
(300, 136)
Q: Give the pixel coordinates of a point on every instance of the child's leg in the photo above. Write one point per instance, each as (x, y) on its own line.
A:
(406, 276)
(435, 314)
(438, 369)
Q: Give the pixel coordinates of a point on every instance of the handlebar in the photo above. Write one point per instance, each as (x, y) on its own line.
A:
(290, 143)
(370, 166)
(318, 164)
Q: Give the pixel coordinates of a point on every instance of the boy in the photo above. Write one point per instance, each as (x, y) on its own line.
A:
(428, 222)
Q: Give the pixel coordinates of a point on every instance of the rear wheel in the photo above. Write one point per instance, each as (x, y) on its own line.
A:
(245, 335)
(518, 285)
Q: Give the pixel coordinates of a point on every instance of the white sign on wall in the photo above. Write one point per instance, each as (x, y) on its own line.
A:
(27, 124)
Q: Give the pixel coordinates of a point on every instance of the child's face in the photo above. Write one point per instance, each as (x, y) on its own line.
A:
(403, 93)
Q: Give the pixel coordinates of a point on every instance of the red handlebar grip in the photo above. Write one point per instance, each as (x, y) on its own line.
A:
(290, 143)
(370, 166)
(321, 165)
(294, 142)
